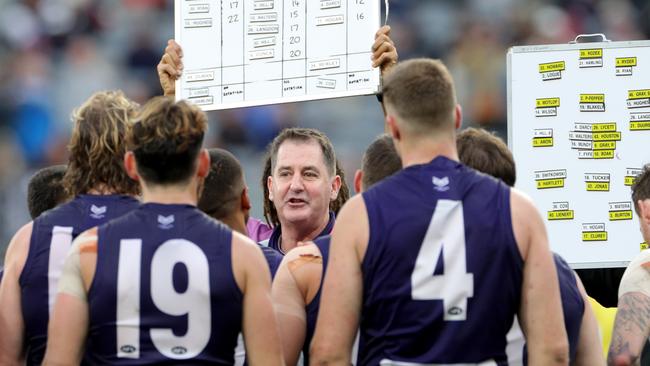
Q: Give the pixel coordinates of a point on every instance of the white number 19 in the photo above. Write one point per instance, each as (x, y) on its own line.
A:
(193, 302)
(446, 234)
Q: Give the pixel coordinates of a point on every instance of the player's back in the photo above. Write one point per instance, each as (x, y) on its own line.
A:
(442, 271)
(52, 235)
(164, 291)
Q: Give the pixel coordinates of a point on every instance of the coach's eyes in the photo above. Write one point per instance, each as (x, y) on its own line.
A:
(310, 174)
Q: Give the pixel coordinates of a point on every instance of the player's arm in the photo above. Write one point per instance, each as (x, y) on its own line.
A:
(541, 310)
(69, 321)
(338, 317)
(170, 68)
(259, 326)
(294, 286)
(589, 350)
(632, 324)
(12, 325)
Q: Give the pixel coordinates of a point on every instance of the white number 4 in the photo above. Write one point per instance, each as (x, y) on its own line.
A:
(446, 234)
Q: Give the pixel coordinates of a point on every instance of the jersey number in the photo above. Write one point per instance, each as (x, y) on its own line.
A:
(59, 247)
(446, 235)
(191, 303)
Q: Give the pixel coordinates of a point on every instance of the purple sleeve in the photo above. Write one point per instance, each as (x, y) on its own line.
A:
(258, 230)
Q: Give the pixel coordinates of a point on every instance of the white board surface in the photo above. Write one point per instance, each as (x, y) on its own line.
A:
(239, 53)
(579, 130)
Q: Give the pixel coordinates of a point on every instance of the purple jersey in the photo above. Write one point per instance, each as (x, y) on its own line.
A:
(258, 230)
(274, 240)
(573, 306)
(442, 273)
(52, 235)
(323, 244)
(164, 290)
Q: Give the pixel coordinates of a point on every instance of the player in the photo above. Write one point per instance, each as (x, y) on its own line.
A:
(296, 289)
(225, 197)
(165, 283)
(437, 257)
(632, 324)
(485, 152)
(45, 191)
(102, 190)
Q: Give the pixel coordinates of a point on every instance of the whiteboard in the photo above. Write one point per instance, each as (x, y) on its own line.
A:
(579, 130)
(240, 53)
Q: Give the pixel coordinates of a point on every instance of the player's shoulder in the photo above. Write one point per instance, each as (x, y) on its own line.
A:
(307, 249)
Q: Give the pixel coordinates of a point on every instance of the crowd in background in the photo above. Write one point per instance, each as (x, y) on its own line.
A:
(55, 53)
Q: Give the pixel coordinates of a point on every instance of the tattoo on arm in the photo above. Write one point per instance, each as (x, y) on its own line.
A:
(631, 328)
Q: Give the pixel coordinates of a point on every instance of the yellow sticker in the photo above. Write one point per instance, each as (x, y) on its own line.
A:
(592, 98)
(607, 136)
(560, 215)
(629, 181)
(598, 186)
(594, 236)
(644, 246)
(603, 154)
(604, 145)
(620, 215)
(625, 61)
(542, 141)
(548, 102)
(591, 53)
(640, 126)
(638, 94)
(550, 183)
(604, 127)
(552, 66)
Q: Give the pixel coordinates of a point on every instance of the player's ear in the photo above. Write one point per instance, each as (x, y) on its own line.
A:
(204, 164)
(644, 210)
(130, 166)
(458, 117)
(336, 186)
(269, 186)
(245, 200)
(358, 178)
(393, 128)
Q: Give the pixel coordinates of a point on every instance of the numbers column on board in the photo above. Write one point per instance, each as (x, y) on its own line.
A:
(232, 43)
(327, 61)
(202, 75)
(294, 52)
(263, 47)
(360, 74)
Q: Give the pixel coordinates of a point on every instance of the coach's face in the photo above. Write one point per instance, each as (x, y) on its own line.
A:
(300, 186)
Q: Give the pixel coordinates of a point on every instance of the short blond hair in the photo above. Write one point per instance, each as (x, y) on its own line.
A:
(97, 145)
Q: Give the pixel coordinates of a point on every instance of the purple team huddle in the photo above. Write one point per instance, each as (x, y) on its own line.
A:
(142, 249)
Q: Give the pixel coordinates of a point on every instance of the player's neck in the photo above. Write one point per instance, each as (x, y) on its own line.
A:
(236, 223)
(425, 150)
(292, 234)
(187, 194)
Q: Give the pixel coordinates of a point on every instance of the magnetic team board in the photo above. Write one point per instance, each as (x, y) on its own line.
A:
(579, 130)
(239, 53)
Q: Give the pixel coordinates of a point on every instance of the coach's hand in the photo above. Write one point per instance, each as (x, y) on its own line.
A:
(384, 53)
(170, 67)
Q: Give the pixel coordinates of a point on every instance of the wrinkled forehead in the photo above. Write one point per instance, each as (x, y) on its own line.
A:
(299, 155)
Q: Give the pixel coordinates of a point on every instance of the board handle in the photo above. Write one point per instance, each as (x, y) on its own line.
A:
(589, 38)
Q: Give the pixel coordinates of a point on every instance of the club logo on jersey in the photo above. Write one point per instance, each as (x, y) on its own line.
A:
(455, 311)
(441, 184)
(127, 348)
(165, 223)
(97, 212)
(179, 350)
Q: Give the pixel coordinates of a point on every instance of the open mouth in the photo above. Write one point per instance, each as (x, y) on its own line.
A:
(295, 202)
